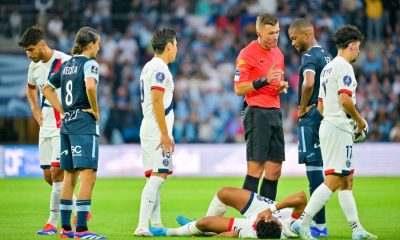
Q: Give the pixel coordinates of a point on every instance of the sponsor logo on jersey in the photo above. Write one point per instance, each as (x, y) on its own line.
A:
(347, 80)
(76, 150)
(348, 163)
(94, 69)
(165, 162)
(240, 62)
(160, 77)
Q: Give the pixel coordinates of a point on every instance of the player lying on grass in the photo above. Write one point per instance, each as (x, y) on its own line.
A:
(263, 218)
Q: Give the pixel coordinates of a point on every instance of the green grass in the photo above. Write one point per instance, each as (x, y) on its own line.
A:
(24, 205)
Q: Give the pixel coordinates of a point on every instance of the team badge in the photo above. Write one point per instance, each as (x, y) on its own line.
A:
(348, 163)
(347, 80)
(94, 69)
(165, 162)
(237, 75)
(160, 77)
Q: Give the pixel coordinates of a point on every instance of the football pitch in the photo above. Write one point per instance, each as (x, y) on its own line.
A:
(115, 205)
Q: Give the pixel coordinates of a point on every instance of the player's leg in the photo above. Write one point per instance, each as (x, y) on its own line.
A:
(272, 120)
(228, 196)
(349, 208)
(45, 157)
(57, 176)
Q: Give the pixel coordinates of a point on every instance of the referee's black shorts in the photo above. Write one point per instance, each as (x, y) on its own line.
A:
(264, 134)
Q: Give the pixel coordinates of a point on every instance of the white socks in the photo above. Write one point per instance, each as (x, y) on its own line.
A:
(189, 229)
(349, 208)
(216, 208)
(55, 203)
(155, 218)
(148, 200)
(317, 201)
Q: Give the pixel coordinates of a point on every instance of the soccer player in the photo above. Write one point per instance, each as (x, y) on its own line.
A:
(157, 143)
(78, 79)
(263, 218)
(45, 62)
(259, 77)
(314, 59)
(337, 99)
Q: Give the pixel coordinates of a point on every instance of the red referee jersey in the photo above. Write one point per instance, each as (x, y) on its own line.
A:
(254, 62)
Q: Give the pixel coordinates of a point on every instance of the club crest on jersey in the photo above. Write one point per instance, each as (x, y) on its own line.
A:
(348, 163)
(165, 162)
(347, 80)
(237, 75)
(95, 69)
(160, 77)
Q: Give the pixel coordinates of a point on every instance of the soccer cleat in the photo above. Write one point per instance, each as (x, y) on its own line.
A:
(88, 235)
(303, 232)
(363, 235)
(183, 220)
(48, 229)
(67, 234)
(89, 216)
(158, 232)
(143, 232)
(315, 232)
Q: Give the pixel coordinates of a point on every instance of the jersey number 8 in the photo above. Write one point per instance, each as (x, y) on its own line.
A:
(68, 96)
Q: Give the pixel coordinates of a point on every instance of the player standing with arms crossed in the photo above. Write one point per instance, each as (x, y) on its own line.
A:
(78, 79)
(337, 99)
(259, 76)
(314, 59)
(45, 62)
(156, 141)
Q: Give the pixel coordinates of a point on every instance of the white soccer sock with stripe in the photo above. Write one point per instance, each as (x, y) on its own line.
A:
(318, 199)
(155, 218)
(74, 204)
(216, 208)
(349, 208)
(189, 229)
(55, 203)
(148, 200)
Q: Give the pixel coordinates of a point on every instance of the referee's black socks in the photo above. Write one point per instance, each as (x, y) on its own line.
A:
(268, 188)
(251, 183)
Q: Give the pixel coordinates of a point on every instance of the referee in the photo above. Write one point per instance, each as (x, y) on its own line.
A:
(259, 77)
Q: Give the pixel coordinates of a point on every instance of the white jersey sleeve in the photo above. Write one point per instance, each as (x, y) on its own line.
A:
(347, 82)
(31, 80)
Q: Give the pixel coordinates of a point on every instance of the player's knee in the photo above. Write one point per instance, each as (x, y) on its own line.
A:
(303, 197)
(224, 193)
(57, 174)
(203, 223)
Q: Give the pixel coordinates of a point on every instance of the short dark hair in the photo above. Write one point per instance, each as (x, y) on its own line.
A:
(267, 230)
(160, 39)
(346, 35)
(84, 37)
(265, 19)
(300, 23)
(31, 36)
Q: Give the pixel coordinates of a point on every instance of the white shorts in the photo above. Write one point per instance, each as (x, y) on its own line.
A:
(153, 160)
(336, 148)
(49, 152)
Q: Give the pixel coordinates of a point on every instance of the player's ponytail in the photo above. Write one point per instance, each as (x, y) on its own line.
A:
(84, 37)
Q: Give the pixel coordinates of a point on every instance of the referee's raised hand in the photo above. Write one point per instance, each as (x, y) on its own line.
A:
(274, 73)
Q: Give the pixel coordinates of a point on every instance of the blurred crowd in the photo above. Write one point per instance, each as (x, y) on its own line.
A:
(210, 36)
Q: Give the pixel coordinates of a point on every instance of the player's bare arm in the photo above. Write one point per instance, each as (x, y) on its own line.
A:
(91, 92)
(31, 94)
(51, 95)
(166, 142)
(321, 107)
(306, 92)
(298, 201)
(248, 86)
(349, 108)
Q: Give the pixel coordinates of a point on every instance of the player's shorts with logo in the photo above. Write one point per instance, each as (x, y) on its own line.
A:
(79, 151)
(336, 148)
(153, 160)
(264, 134)
(308, 135)
(49, 152)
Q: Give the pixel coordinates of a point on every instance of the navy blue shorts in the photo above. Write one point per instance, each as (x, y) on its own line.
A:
(79, 151)
(308, 135)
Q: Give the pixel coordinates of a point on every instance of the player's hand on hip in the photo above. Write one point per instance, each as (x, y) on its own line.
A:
(37, 114)
(95, 114)
(361, 124)
(167, 144)
(302, 112)
(274, 73)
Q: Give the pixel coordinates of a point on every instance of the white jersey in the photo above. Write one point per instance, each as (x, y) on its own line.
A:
(337, 77)
(156, 75)
(38, 74)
